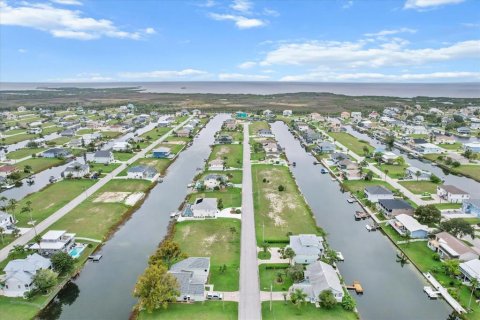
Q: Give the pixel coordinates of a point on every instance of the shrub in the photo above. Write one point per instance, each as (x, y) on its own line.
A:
(281, 188)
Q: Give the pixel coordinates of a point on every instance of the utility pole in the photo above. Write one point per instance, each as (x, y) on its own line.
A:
(271, 296)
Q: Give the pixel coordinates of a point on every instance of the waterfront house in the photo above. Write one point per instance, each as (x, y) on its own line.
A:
(184, 133)
(35, 130)
(141, 172)
(121, 146)
(224, 139)
(301, 126)
(428, 148)
(287, 113)
(445, 140)
(192, 276)
(54, 241)
(415, 130)
(76, 170)
(471, 206)
(230, 124)
(241, 115)
(472, 146)
(316, 117)
(324, 147)
(196, 112)
(347, 164)
(7, 170)
(338, 156)
(356, 116)
(161, 153)
(271, 149)
(470, 270)
(308, 248)
(377, 192)
(56, 153)
(319, 276)
(452, 194)
(6, 221)
(19, 274)
(394, 207)
(389, 157)
(265, 133)
(216, 165)
(373, 115)
(345, 115)
(163, 123)
(21, 109)
(405, 224)
(413, 173)
(201, 208)
(365, 124)
(449, 247)
(214, 180)
(68, 133)
(311, 136)
(335, 124)
(464, 130)
(103, 156)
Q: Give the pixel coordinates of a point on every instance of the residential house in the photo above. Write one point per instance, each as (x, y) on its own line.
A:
(6, 221)
(335, 125)
(311, 136)
(356, 116)
(449, 247)
(230, 124)
(7, 170)
(121, 146)
(452, 194)
(184, 132)
(21, 109)
(472, 146)
(192, 276)
(103, 156)
(413, 173)
(35, 130)
(141, 172)
(445, 139)
(35, 124)
(464, 130)
(76, 170)
(271, 149)
(265, 133)
(316, 117)
(19, 274)
(214, 180)
(471, 206)
(415, 130)
(365, 124)
(68, 133)
(418, 119)
(201, 208)
(338, 156)
(268, 113)
(54, 241)
(428, 148)
(319, 276)
(224, 139)
(308, 248)
(376, 193)
(161, 153)
(216, 165)
(470, 270)
(241, 115)
(349, 169)
(394, 207)
(287, 113)
(345, 115)
(163, 123)
(302, 126)
(389, 157)
(56, 153)
(373, 115)
(474, 123)
(324, 147)
(196, 112)
(408, 225)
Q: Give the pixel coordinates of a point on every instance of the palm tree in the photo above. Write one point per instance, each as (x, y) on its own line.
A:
(289, 253)
(12, 205)
(17, 251)
(298, 297)
(28, 209)
(1, 233)
(386, 172)
(474, 282)
(418, 174)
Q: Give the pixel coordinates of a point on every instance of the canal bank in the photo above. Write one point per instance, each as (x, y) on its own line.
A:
(104, 290)
(391, 291)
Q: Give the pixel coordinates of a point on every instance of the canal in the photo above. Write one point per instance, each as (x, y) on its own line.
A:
(391, 291)
(104, 290)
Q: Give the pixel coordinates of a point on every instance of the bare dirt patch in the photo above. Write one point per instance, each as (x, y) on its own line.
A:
(110, 197)
(134, 198)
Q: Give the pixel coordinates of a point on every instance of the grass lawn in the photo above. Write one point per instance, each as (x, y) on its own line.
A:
(269, 276)
(279, 212)
(18, 138)
(236, 175)
(209, 310)
(453, 146)
(174, 148)
(24, 152)
(288, 311)
(110, 134)
(352, 143)
(105, 168)
(51, 130)
(394, 171)
(257, 125)
(37, 164)
(85, 131)
(156, 133)
(357, 186)
(61, 140)
(231, 197)
(388, 229)
(232, 154)
(218, 239)
(123, 156)
(15, 131)
(442, 206)
(419, 187)
(160, 164)
(472, 171)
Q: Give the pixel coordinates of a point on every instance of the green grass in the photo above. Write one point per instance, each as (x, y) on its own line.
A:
(279, 212)
(123, 156)
(110, 134)
(209, 310)
(61, 140)
(156, 133)
(394, 171)
(352, 143)
(24, 152)
(18, 138)
(419, 187)
(218, 239)
(231, 197)
(288, 311)
(85, 131)
(357, 186)
(15, 131)
(232, 154)
(443, 206)
(388, 229)
(269, 276)
(453, 146)
(472, 171)
(38, 165)
(105, 168)
(257, 125)
(237, 135)
(51, 130)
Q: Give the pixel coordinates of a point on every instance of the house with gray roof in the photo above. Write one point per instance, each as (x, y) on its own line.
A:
(394, 207)
(19, 273)
(141, 172)
(308, 248)
(192, 276)
(319, 276)
(449, 247)
(214, 180)
(103, 156)
(76, 170)
(56, 153)
(201, 208)
(377, 192)
(325, 147)
(452, 194)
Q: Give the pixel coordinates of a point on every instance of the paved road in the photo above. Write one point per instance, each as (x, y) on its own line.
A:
(45, 224)
(249, 307)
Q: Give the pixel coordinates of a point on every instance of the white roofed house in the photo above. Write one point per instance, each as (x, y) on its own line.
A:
(389, 157)
(452, 194)
(417, 174)
(405, 224)
(471, 270)
(356, 116)
(76, 170)
(54, 241)
(308, 248)
(201, 208)
(19, 274)
(214, 180)
(287, 113)
(121, 146)
(319, 276)
(141, 172)
(192, 276)
(428, 148)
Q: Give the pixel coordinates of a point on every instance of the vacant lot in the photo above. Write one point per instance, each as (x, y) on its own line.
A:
(352, 143)
(231, 197)
(38, 165)
(288, 311)
(357, 186)
(257, 125)
(24, 152)
(218, 239)
(419, 187)
(123, 156)
(156, 133)
(209, 310)
(18, 138)
(278, 212)
(232, 154)
(394, 171)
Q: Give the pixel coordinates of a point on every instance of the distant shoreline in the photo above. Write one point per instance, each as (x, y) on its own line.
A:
(400, 90)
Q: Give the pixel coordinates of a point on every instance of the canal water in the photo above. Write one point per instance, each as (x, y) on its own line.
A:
(392, 292)
(464, 183)
(104, 290)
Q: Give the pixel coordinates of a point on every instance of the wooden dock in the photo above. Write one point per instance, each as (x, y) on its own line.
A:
(356, 286)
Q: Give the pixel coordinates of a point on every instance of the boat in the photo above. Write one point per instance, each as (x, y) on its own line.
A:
(95, 258)
(8, 186)
(340, 256)
(368, 227)
(160, 180)
(294, 164)
(351, 200)
(323, 171)
(52, 179)
(360, 215)
(432, 294)
(173, 214)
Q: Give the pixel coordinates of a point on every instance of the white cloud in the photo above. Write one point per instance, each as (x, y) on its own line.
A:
(271, 12)
(371, 76)
(347, 5)
(240, 21)
(22, 50)
(471, 25)
(243, 6)
(242, 77)
(247, 65)
(84, 77)
(150, 31)
(390, 32)
(163, 74)
(208, 4)
(61, 23)
(68, 2)
(428, 4)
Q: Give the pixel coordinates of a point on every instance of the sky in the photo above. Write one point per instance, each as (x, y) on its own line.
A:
(240, 40)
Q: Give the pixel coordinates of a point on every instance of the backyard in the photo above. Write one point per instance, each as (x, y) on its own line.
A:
(209, 310)
(231, 197)
(232, 154)
(274, 274)
(24, 152)
(287, 311)
(419, 187)
(353, 144)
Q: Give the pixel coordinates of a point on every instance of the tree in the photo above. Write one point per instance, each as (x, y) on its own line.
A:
(368, 176)
(451, 267)
(12, 205)
(468, 153)
(295, 272)
(265, 246)
(17, 251)
(390, 141)
(458, 227)
(155, 288)
(62, 262)
(327, 299)
(365, 150)
(220, 204)
(2, 231)
(435, 179)
(289, 253)
(474, 283)
(281, 188)
(168, 253)
(44, 279)
(418, 174)
(27, 168)
(348, 303)
(427, 214)
(298, 297)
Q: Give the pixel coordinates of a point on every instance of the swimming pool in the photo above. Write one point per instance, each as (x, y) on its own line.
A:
(76, 252)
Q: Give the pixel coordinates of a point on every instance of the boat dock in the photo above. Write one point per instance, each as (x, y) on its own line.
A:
(360, 215)
(356, 286)
(444, 293)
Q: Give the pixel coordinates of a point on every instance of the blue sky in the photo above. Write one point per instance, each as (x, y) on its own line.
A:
(337, 40)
